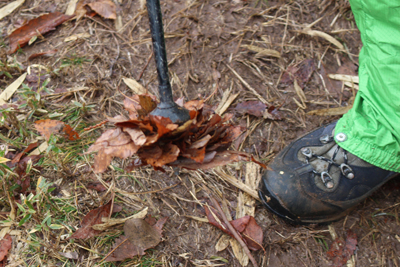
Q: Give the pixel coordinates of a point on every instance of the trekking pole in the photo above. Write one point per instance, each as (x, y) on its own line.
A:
(167, 107)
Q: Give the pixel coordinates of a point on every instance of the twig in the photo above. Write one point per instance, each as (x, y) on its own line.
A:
(95, 126)
(262, 99)
(234, 232)
(213, 93)
(155, 191)
(114, 249)
(145, 67)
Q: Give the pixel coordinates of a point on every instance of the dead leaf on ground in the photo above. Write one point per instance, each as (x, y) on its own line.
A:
(247, 226)
(200, 143)
(301, 72)
(255, 108)
(20, 162)
(98, 186)
(273, 113)
(140, 235)
(48, 53)
(93, 217)
(38, 26)
(341, 251)
(5, 245)
(105, 8)
(48, 127)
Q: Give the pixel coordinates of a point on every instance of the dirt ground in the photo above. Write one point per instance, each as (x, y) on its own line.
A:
(202, 38)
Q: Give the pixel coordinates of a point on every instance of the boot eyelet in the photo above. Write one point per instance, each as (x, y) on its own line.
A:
(327, 180)
(325, 139)
(347, 171)
(307, 152)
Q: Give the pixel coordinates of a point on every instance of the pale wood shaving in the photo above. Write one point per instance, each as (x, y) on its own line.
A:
(8, 9)
(344, 78)
(263, 51)
(136, 87)
(10, 90)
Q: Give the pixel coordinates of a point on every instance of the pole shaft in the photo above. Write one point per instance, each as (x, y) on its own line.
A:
(160, 53)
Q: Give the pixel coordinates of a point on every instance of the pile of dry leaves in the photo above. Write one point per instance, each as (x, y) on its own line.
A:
(200, 143)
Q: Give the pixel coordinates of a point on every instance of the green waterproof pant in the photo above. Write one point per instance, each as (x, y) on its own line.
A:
(372, 127)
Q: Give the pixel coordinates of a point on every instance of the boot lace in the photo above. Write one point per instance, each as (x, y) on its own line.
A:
(326, 178)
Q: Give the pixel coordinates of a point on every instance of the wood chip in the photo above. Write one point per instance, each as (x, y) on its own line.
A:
(239, 253)
(8, 9)
(222, 243)
(351, 85)
(261, 52)
(39, 149)
(326, 36)
(111, 222)
(10, 90)
(301, 95)
(344, 78)
(77, 36)
(330, 111)
(71, 7)
(227, 100)
(136, 87)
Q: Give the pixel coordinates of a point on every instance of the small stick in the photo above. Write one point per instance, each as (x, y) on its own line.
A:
(114, 249)
(262, 99)
(234, 232)
(145, 67)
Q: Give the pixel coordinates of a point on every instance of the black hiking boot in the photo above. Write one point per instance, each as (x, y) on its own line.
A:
(313, 180)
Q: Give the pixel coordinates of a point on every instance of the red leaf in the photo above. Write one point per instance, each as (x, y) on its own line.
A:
(199, 143)
(99, 187)
(255, 108)
(139, 236)
(5, 245)
(251, 232)
(92, 218)
(17, 158)
(104, 8)
(70, 133)
(169, 154)
(123, 249)
(48, 127)
(41, 25)
(301, 72)
(341, 251)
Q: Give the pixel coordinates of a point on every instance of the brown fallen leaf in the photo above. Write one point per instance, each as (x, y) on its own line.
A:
(5, 245)
(200, 143)
(250, 231)
(38, 26)
(255, 108)
(17, 158)
(93, 217)
(48, 127)
(20, 162)
(301, 72)
(49, 53)
(105, 8)
(99, 187)
(341, 251)
(139, 236)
